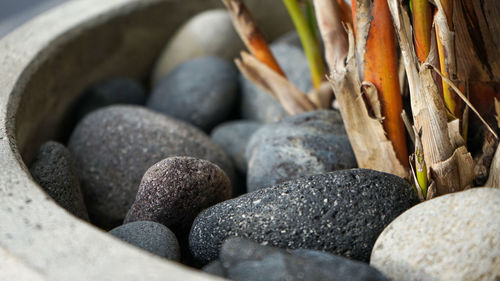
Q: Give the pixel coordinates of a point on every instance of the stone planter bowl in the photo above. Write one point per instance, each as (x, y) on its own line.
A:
(44, 66)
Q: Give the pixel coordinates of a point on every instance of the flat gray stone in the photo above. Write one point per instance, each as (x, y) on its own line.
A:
(150, 236)
(304, 144)
(114, 146)
(340, 212)
(452, 237)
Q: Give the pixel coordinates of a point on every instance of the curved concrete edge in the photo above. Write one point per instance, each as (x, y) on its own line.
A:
(39, 240)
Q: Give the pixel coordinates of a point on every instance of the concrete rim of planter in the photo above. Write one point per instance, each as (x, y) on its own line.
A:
(38, 239)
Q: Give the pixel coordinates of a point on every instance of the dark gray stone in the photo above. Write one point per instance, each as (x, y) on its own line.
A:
(304, 144)
(244, 260)
(176, 189)
(340, 212)
(114, 146)
(201, 91)
(215, 268)
(257, 104)
(54, 170)
(120, 90)
(150, 236)
(233, 137)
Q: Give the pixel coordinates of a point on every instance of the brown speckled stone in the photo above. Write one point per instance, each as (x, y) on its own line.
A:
(176, 189)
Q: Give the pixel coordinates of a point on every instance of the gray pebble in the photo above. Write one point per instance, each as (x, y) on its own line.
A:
(304, 144)
(150, 236)
(233, 137)
(174, 190)
(201, 91)
(215, 268)
(54, 170)
(114, 146)
(244, 260)
(291, 38)
(340, 212)
(257, 104)
(120, 90)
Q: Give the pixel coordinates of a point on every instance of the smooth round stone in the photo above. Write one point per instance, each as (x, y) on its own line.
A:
(194, 39)
(291, 38)
(54, 170)
(174, 190)
(304, 144)
(201, 91)
(215, 268)
(120, 90)
(150, 236)
(257, 104)
(340, 212)
(114, 147)
(233, 137)
(451, 237)
(243, 259)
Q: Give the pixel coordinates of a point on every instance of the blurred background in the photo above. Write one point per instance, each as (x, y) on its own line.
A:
(13, 13)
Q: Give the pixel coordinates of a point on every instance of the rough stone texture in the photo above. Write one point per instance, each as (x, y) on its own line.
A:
(341, 212)
(201, 91)
(54, 170)
(194, 39)
(215, 268)
(233, 137)
(114, 146)
(452, 237)
(176, 189)
(257, 104)
(45, 65)
(120, 90)
(150, 236)
(304, 144)
(243, 259)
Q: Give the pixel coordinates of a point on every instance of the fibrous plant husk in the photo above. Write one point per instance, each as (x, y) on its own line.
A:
(358, 102)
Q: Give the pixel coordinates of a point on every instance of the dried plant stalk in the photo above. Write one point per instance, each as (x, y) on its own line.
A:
(451, 168)
(251, 35)
(372, 148)
(381, 68)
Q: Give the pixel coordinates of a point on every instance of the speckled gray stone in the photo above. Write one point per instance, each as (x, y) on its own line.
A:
(233, 137)
(202, 92)
(304, 144)
(150, 236)
(244, 260)
(119, 90)
(215, 268)
(54, 170)
(452, 237)
(174, 190)
(114, 146)
(340, 212)
(257, 104)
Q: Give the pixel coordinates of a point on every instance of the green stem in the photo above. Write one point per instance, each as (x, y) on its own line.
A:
(309, 42)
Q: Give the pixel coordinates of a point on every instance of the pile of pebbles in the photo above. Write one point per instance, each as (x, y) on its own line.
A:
(208, 170)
